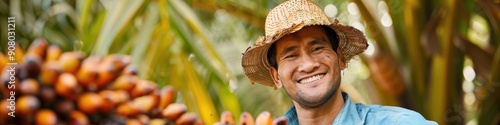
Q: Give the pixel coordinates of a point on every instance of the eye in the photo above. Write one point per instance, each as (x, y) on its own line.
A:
(318, 48)
(290, 56)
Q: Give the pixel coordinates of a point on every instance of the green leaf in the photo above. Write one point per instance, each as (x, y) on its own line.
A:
(119, 16)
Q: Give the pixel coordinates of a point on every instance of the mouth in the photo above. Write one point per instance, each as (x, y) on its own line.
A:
(311, 79)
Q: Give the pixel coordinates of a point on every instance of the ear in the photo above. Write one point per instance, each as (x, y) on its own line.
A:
(341, 58)
(276, 78)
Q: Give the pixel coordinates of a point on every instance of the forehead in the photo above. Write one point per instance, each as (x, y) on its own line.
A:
(306, 34)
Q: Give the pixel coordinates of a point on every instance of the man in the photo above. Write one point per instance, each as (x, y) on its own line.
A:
(304, 53)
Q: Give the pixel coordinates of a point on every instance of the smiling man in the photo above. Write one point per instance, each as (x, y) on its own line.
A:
(303, 53)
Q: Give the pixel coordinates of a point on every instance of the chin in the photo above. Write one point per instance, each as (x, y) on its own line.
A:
(314, 99)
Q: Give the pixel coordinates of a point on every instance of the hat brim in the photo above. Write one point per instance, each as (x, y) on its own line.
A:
(256, 65)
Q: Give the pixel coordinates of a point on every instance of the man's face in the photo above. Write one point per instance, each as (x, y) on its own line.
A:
(308, 67)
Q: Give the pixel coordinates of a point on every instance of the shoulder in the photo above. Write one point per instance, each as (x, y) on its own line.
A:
(376, 114)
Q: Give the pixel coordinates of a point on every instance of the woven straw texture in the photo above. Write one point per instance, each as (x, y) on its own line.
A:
(287, 18)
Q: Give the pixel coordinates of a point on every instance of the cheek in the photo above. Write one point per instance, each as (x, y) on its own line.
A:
(330, 55)
(327, 57)
(285, 71)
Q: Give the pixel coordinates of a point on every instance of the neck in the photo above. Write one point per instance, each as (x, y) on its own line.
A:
(322, 115)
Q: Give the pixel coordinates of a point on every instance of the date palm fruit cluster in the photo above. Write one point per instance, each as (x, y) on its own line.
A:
(264, 118)
(48, 87)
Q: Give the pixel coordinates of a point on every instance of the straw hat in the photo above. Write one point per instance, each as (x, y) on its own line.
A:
(290, 17)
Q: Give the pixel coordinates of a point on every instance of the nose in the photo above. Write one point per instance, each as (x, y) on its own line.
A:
(308, 64)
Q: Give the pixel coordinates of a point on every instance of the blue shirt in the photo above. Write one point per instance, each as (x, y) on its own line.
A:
(360, 114)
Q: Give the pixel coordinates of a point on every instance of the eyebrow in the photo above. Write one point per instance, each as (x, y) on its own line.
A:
(316, 41)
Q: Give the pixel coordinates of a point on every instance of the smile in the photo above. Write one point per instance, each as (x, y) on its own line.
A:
(311, 79)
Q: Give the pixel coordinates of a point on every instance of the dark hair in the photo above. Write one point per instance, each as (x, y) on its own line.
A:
(330, 33)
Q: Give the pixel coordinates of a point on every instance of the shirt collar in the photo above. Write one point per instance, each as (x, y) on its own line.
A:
(348, 114)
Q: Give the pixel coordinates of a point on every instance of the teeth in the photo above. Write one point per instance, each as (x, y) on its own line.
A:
(311, 79)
